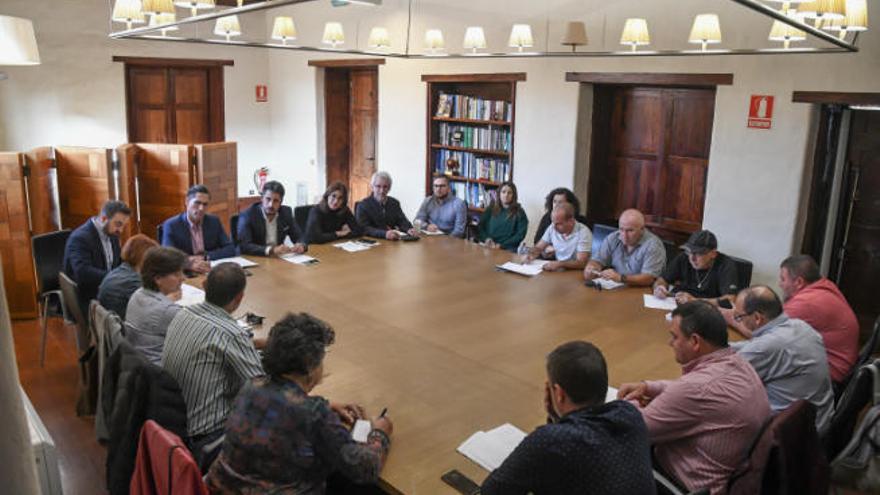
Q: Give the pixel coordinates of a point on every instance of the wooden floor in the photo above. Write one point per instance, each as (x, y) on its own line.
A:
(52, 390)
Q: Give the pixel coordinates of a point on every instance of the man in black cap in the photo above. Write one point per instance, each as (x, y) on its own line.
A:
(700, 272)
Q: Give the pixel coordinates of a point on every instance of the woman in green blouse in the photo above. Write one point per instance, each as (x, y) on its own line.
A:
(504, 223)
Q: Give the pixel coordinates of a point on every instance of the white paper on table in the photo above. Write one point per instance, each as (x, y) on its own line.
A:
(607, 283)
(238, 260)
(288, 242)
(654, 302)
(190, 295)
(530, 269)
(299, 259)
(490, 448)
(351, 246)
(611, 394)
(427, 232)
(361, 431)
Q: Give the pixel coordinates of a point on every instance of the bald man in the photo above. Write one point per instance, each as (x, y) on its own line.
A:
(567, 239)
(631, 255)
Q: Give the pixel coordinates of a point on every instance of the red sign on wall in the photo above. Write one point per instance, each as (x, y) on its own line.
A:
(262, 93)
(761, 111)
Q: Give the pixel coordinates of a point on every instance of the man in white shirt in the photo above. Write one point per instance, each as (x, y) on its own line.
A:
(569, 240)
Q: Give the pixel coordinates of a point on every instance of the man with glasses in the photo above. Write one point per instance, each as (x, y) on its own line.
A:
(198, 234)
(700, 272)
(442, 211)
(787, 353)
(380, 214)
(632, 255)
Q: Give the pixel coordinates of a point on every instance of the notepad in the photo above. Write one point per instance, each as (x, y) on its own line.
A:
(529, 269)
(352, 246)
(490, 448)
(299, 259)
(361, 431)
(238, 260)
(190, 295)
(654, 302)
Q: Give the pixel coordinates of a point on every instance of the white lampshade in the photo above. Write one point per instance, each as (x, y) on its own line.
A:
(434, 40)
(521, 37)
(153, 7)
(808, 9)
(195, 5)
(227, 26)
(379, 38)
(18, 46)
(283, 29)
(575, 34)
(128, 11)
(474, 39)
(706, 29)
(856, 19)
(786, 4)
(333, 34)
(162, 19)
(635, 33)
(785, 33)
(831, 9)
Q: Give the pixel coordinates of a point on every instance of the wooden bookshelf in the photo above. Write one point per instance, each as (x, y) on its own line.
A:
(487, 121)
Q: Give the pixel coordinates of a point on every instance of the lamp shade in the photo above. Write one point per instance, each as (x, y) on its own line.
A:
(162, 19)
(856, 18)
(153, 7)
(283, 29)
(706, 29)
(831, 9)
(521, 36)
(781, 31)
(195, 5)
(808, 9)
(575, 34)
(227, 26)
(333, 34)
(434, 39)
(379, 38)
(474, 38)
(635, 33)
(18, 45)
(128, 11)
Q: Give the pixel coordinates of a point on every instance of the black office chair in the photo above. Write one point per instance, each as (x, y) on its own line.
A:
(600, 232)
(301, 216)
(858, 393)
(233, 228)
(672, 250)
(743, 271)
(159, 234)
(70, 299)
(865, 355)
(48, 253)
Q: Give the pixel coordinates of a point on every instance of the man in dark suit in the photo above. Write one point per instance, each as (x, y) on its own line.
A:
(93, 249)
(197, 233)
(380, 214)
(263, 228)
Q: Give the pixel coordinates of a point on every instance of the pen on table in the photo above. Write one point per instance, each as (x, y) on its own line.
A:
(382, 414)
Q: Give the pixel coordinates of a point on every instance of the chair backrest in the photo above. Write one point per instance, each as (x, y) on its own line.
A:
(159, 233)
(870, 346)
(600, 232)
(743, 271)
(163, 460)
(301, 216)
(70, 299)
(672, 250)
(857, 395)
(233, 228)
(48, 252)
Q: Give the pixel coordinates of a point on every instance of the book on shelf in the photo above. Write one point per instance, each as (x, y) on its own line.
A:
(476, 195)
(472, 107)
(482, 138)
(471, 166)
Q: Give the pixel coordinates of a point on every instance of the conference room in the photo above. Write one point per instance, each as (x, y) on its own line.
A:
(698, 116)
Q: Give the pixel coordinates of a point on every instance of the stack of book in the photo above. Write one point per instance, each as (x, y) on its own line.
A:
(472, 107)
(482, 138)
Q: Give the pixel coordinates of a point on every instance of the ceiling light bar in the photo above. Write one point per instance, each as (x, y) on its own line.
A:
(781, 17)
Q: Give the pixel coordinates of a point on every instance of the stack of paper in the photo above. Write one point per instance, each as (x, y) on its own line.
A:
(490, 448)
(191, 295)
(607, 283)
(654, 302)
(427, 232)
(529, 269)
(352, 246)
(238, 260)
(299, 259)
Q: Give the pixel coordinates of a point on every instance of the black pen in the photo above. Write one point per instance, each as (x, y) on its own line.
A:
(382, 414)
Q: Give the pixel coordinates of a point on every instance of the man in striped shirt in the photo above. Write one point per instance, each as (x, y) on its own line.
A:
(211, 357)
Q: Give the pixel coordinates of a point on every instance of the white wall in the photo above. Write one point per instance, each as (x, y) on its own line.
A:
(755, 176)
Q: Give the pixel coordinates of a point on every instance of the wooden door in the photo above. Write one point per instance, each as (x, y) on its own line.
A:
(15, 239)
(164, 173)
(337, 105)
(859, 272)
(42, 191)
(364, 120)
(217, 168)
(85, 183)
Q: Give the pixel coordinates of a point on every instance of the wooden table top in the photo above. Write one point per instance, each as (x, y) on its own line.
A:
(432, 331)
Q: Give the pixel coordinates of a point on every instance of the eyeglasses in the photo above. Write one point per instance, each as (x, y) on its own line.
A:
(739, 318)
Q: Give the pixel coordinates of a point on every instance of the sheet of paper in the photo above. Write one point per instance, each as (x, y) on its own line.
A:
(238, 260)
(607, 284)
(530, 269)
(439, 232)
(287, 241)
(490, 448)
(351, 246)
(191, 295)
(654, 302)
(361, 430)
(611, 394)
(299, 259)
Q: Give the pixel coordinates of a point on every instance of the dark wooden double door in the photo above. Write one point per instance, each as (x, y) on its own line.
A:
(651, 151)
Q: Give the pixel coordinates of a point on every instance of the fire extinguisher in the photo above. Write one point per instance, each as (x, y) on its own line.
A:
(261, 176)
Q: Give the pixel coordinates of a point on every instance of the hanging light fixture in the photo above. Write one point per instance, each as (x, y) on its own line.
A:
(227, 26)
(379, 38)
(575, 35)
(434, 40)
(786, 34)
(283, 29)
(635, 33)
(856, 19)
(161, 20)
(195, 5)
(333, 34)
(706, 29)
(474, 39)
(154, 7)
(787, 4)
(521, 37)
(128, 11)
(822, 10)
(18, 45)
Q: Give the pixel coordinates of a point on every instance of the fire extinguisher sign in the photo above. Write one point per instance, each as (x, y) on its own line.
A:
(761, 112)
(262, 93)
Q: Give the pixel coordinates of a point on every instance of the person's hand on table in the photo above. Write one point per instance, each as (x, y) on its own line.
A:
(610, 274)
(634, 391)
(344, 231)
(682, 297)
(392, 235)
(298, 248)
(661, 292)
(432, 228)
(552, 266)
(413, 232)
(491, 244)
(383, 423)
(281, 250)
(590, 272)
(198, 264)
(348, 413)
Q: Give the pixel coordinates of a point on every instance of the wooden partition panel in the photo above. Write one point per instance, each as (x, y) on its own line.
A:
(85, 183)
(164, 173)
(42, 191)
(217, 168)
(15, 239)
(126, 156)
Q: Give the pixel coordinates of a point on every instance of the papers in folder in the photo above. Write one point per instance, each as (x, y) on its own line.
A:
(654, 302)
(238, 260)
(190, 295)
(490, 448)
(529, 269)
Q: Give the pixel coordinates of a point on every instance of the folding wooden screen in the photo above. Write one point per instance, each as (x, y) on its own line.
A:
(217, 168)
(42, 191)
(164, 172)
(15, 238)
(128, 187)
(85, 183)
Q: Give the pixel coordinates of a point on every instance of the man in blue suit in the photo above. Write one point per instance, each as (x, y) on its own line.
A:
(263, 228)
(93, 249)
(197, 233)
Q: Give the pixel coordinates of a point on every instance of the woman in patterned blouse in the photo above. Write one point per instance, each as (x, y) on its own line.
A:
(280, 439)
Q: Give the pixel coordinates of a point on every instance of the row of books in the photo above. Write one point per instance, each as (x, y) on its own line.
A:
(472, 107)
(476, 195)
(481, 138)
(468, 165)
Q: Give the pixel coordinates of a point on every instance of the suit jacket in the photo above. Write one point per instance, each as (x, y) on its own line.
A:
(175, 232)
(377, 219)
(252, 229)
(85, 263)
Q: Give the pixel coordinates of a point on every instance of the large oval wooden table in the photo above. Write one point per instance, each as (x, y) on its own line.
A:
(432, 331)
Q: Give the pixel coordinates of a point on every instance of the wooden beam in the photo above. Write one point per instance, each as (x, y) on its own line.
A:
(650, 78)
(499, 77)
(836, 98)
(347, 62)
(172, 62)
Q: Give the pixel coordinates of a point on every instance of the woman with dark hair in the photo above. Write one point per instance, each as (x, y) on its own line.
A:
(556, 196)
(152, 307)
(118, 285)
(281, 439)
(332, 219)
(504, 223)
